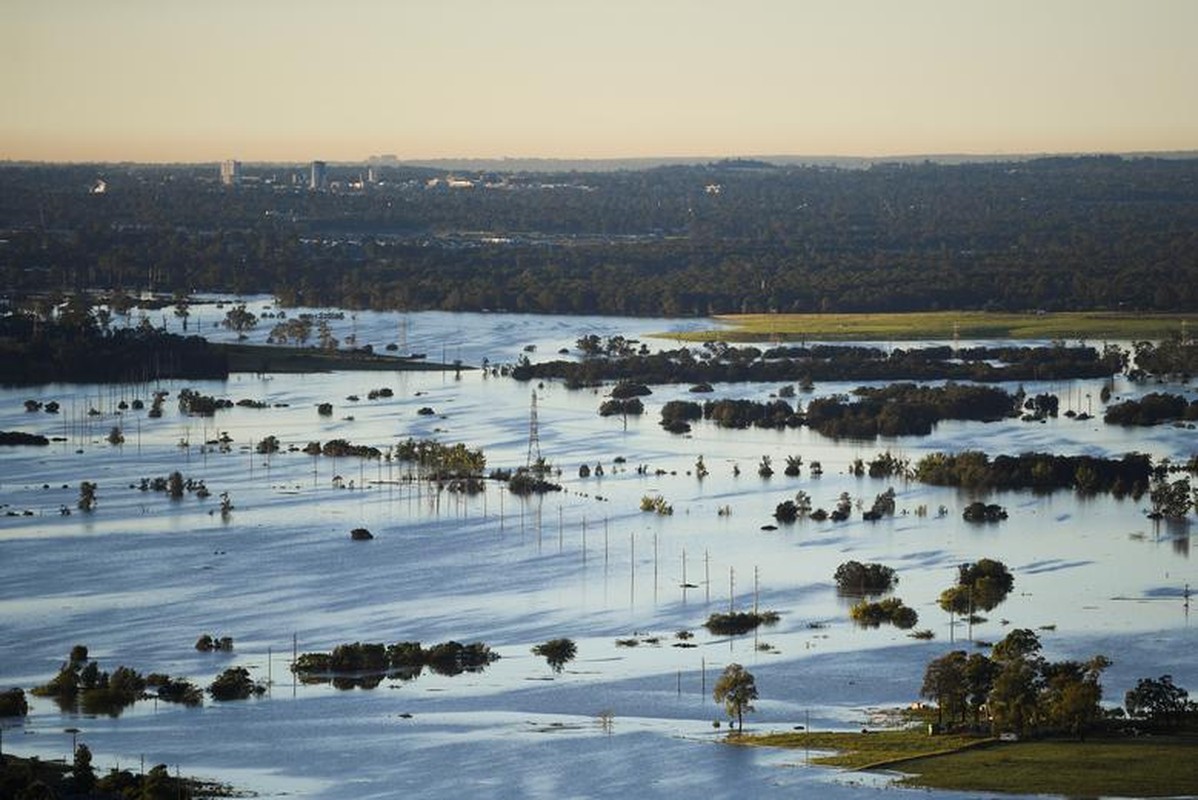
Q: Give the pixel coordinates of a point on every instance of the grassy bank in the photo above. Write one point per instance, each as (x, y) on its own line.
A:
(1068, 326)
(864, 750)
(1150, 766)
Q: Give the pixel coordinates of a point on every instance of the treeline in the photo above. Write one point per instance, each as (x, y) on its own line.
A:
(721, 363)
(1054, 233)
(33, 351)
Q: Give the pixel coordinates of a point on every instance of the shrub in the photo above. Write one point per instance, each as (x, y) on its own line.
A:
(855, 578)
(13, 703)
(557, 652)
(235, 684)
(978, 511)
(626, 389)
(892, 610)
(737, 622)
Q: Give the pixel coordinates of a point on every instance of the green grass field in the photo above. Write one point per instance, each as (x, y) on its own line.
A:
(1145, 767)
(1067, 326)
(1151, 766)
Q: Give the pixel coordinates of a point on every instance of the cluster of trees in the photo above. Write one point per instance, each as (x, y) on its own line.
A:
(1159, 703)
(68, 349)
(405, 659)
(971, 469)
(859, 580)
(235, 683)
(81, 685)
(34, 779)
(631, 407)
(905, 409)
(1173, 356)
(342, 448)
(871, 614)
(1152, 409)
(1171, 499)
(980, 586)
(745, 413)
(1015, 689)
(438, 461)
(1055, 233)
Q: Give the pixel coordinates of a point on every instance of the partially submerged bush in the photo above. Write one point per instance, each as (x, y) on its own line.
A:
(737, 622)
(892, 610)
(855, 578)
(175, 690)
(235, 683)
(207, 643)
(982, 512)
(13, 703)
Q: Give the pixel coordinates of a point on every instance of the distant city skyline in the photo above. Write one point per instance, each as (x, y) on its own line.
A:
(300, 80)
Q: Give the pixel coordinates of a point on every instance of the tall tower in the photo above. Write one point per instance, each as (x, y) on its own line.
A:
(534, 436)
(318, 176)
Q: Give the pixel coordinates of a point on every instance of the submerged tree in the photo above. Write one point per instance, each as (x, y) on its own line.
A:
(87, 496)
(980, 587)
(557, 652)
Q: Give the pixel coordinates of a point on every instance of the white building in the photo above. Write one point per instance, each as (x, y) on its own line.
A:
(230, 172)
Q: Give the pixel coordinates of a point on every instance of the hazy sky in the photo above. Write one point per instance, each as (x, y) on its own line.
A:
(295, 80)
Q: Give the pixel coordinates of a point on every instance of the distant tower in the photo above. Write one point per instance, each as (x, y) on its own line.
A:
(318, 176)
(534, 435)
(230, 172)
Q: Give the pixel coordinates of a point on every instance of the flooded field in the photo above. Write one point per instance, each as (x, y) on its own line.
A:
(141, 577)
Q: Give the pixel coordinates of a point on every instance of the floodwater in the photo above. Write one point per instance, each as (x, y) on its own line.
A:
(140, 578)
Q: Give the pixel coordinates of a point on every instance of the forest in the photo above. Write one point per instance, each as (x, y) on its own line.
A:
(1041, 234)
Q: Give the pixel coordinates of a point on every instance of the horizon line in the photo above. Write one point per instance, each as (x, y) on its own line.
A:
(388, 159)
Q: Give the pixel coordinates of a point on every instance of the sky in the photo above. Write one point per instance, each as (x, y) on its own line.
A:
(297, 80)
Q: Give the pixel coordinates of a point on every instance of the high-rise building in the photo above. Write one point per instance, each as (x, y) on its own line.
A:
(230, 172)
(318, 178)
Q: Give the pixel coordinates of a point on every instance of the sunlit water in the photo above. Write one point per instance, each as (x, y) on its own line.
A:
(140, 578)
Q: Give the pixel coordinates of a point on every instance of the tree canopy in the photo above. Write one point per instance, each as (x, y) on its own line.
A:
(736, 689)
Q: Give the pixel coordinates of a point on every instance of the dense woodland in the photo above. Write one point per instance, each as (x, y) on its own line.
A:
(1053, 233)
